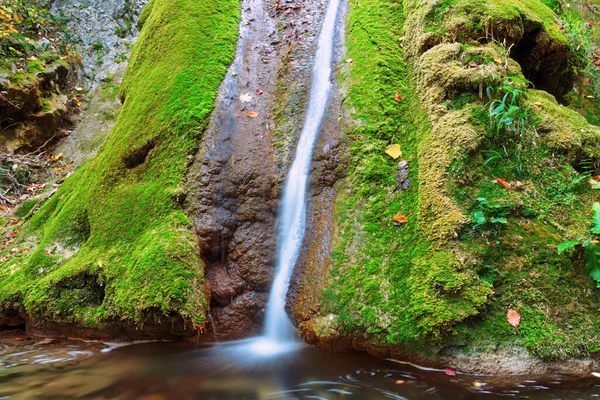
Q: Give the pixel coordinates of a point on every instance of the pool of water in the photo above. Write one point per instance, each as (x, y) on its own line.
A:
(33, 368)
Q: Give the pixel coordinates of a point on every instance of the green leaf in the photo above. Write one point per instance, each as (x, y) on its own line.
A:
(499, 220)
(592, 262)
(479, 218)
(567, 245)
(596, 219)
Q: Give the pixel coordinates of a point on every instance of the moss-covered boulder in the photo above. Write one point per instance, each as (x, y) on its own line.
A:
(491, 195)
(112, 247)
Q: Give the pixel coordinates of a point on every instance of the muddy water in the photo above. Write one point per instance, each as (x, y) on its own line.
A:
(36, 369)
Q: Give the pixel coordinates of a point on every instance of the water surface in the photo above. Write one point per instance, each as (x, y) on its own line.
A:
(159, 371)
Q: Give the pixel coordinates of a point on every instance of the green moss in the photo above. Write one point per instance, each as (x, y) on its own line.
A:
(441, 278)
(115, 219)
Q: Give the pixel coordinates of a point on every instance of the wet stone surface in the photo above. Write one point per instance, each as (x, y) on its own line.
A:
(236, 178)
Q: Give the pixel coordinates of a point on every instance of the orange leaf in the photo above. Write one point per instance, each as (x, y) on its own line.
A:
(513, 317)
(400, 219)
(397, 97)
(252, 114)
(502, 182)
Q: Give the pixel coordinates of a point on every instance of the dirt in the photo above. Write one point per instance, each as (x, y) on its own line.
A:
(236, 178)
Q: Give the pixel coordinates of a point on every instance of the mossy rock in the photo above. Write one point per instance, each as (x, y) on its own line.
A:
(441, 281)
(112, 245)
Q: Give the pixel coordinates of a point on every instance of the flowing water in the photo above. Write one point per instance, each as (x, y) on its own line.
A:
(279, 336)
(292, 213)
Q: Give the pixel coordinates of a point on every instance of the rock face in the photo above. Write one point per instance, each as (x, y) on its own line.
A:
(235, 181)
(31, 111)
(104, 31)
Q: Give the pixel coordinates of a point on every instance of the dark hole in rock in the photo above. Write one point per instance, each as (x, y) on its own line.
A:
(544, 61)
(81, 290)
(179, 199)
(10, 319)
(139, 155)
(584, 165)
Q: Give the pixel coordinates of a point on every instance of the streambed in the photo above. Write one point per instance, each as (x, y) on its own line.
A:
(32, 368)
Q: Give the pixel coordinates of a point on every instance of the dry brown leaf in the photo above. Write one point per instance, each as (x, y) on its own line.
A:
(513, 317)
(397, 97)
(252, 114)
(400, 219)
(57, 157)
(502, 182)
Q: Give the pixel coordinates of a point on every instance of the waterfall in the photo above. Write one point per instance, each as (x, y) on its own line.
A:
(292, 211)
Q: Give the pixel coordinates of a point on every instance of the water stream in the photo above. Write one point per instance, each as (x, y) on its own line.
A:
(279, 333)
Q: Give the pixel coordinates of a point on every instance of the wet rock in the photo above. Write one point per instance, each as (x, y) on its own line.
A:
(225, 285)
(242, 318)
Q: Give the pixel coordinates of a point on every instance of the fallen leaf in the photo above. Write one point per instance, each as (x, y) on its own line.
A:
(450, 372)
(259, 92)
(400, 219)
(57, 157)
(246, 98)
(252, 114)
(502, 182)
(477, 384)
(397, 97)
(393, 150)
(513, 317)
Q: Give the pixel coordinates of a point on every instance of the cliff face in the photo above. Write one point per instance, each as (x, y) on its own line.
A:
(488, 200)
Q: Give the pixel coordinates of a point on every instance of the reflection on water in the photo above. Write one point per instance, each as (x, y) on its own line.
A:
(43, 369)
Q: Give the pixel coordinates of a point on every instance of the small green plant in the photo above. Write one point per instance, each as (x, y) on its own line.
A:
(488, 214)
(122, 31)
(507, 110)
(590, 244)
(583, 52)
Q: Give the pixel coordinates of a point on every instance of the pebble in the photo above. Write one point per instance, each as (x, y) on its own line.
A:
(402, 175)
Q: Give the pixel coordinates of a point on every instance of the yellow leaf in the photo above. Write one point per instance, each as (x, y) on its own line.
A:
(252, 114)
(393, 150)
(400, 219)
